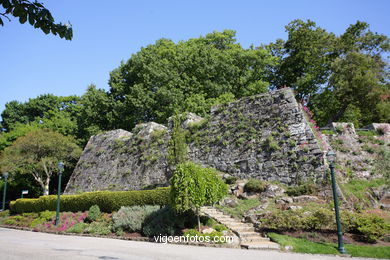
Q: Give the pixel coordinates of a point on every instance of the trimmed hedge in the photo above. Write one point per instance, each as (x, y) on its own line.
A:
(108, 201)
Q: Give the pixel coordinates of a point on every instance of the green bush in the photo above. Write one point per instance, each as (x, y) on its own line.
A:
(99, 228)
(108, 201)
(42, 217)
(132, 218)
(4, 213)
(304, 189)
(77, 228)
(255, 185)
(167, 222)
(93, 213)
(372, 227)
(230, 180)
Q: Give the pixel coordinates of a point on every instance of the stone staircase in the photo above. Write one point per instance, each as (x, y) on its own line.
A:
(249, 238)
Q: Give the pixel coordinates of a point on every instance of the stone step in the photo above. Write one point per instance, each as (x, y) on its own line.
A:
(257, 238)
(248, 234)
(261, 245)
(243, 229)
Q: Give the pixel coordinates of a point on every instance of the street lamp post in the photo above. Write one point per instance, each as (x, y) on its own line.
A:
(331, 159)
(60, 170)
(5, 175)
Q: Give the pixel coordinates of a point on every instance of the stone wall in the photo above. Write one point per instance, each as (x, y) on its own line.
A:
(264, 136)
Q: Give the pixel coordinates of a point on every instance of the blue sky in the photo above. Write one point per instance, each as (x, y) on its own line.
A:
(106, 32)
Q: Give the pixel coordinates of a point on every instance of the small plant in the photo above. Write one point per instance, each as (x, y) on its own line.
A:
(93, 213)
(230, 180)
(270, 144)
(98, 228)
(158, 134)
(368, 148)
(382, 130)
(304, 189)
(339, 129)
(255, 185)
(77, 228)
(132, 218)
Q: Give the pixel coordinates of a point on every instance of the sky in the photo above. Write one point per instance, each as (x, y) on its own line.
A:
(108, 32)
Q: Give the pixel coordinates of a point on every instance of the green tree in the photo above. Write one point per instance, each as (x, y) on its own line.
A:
(165, 77)
(357, 89)
(37, 15)
(193, 186)
(95, 113)
(177, 149)
(339, 77)
(305, 58)
(37, 154)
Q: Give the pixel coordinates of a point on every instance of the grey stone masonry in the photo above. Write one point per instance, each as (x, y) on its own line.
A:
(266, 136)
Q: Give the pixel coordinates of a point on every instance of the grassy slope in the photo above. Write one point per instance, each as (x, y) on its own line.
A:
(304, 246)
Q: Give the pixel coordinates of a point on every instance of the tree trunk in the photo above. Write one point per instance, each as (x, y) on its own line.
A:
(197, 214)
(46, 189)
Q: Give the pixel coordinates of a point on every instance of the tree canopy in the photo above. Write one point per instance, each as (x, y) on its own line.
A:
(37, 153)
(340, 77)
(37, 15)
(193, 186)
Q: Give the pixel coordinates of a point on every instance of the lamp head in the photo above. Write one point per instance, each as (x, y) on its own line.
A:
(331, 156)
(60, 166)
(5, 175)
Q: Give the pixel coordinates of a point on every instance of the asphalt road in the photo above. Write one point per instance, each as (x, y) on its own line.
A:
(17, 244)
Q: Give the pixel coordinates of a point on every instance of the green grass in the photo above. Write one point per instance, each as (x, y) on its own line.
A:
(357, 188)
(300, 245)
(242, 207)
(367, 133)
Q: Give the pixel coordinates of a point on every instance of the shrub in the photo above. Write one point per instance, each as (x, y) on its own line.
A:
(43, 217)
(304, 189)
(167, 222)
(132, 218)
(98, 228)
(230, 180)
(4, 213)
(93, 213)
(372, 227)
(108, 201)
(255, 185)
(77, 228)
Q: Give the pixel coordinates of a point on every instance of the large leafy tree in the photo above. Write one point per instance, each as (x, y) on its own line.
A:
(305, 58)
(37, 154)
(36, 15)
(339, 77)
(194, 74)
(193, 186)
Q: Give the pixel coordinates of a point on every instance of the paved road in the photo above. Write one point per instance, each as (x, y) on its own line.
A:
(17, 244)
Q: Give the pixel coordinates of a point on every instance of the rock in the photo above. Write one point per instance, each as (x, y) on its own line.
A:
(385, 207)
(284, 200)
(146, 129)
(112, 161)
(288, 248)
(305, 198)
(229, 202)
(293, 208)
(251, 219)
(208, 230)
(272, 191)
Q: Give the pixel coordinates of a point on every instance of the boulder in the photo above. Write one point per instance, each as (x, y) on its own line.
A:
(293, 208)
(230, 202)
(305, 198)
(272, 191)
(284, 200)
